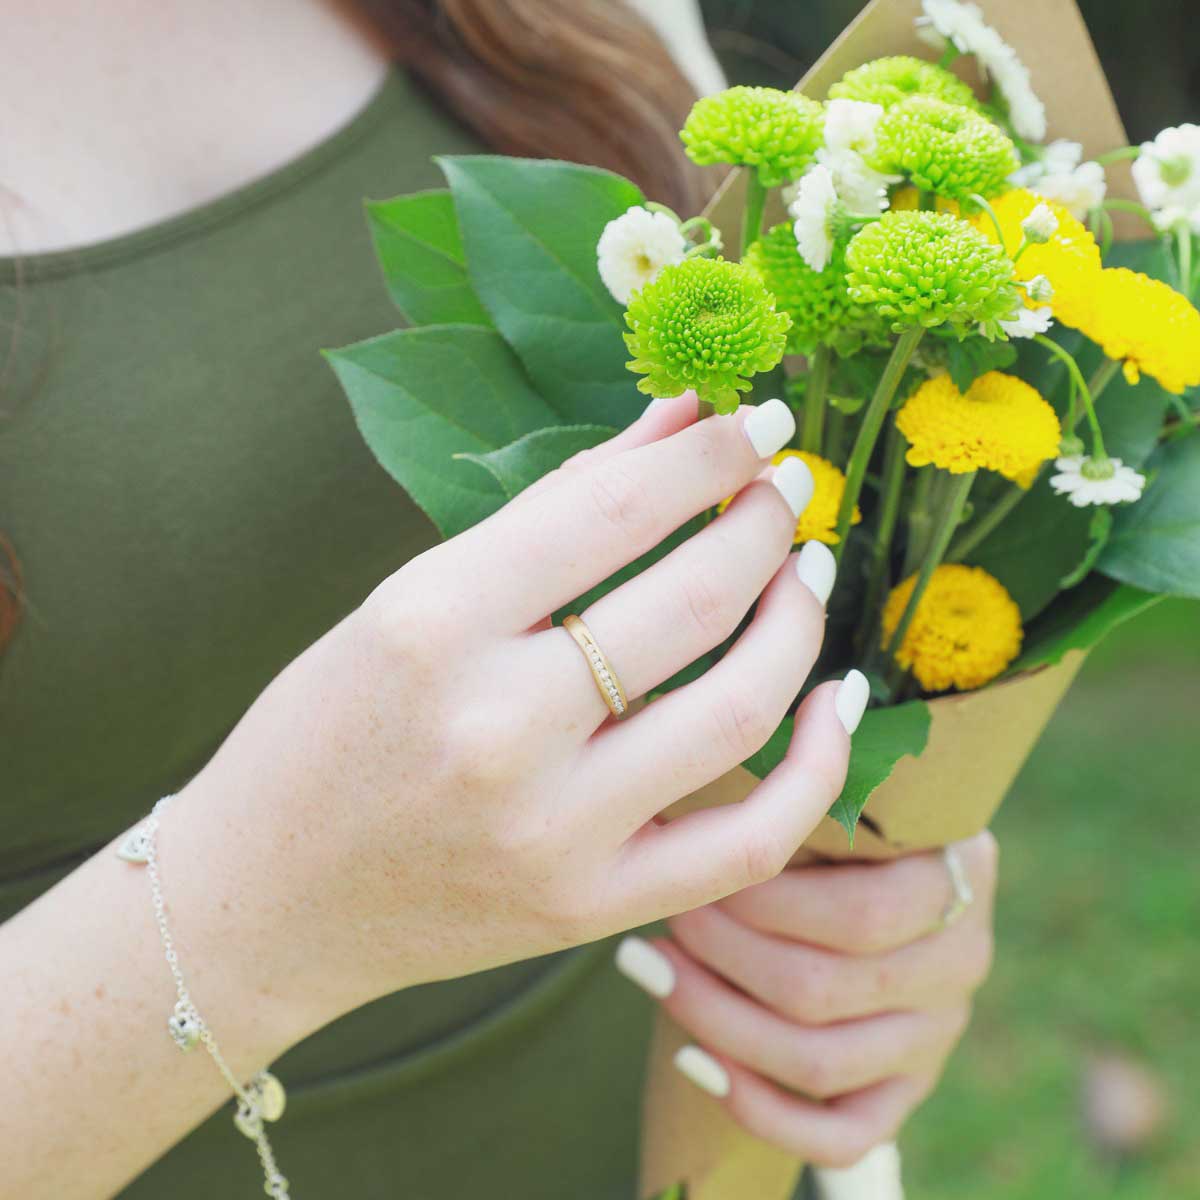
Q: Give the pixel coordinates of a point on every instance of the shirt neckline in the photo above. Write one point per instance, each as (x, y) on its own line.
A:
(212, 214)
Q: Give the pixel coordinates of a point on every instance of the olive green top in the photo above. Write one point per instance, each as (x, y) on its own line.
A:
(192, 505)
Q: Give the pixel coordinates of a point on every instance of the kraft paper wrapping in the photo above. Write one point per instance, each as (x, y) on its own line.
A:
(978, 740)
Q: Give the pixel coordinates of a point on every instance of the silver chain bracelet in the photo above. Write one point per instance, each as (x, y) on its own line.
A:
(263, 1098)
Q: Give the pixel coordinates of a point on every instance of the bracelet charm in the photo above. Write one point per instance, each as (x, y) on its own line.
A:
(263, 1098)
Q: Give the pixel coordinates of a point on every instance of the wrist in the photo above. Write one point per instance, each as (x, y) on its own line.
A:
(237, 911)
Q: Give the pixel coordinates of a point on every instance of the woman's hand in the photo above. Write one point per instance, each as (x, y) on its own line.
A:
(437, 787)
(825, 1002)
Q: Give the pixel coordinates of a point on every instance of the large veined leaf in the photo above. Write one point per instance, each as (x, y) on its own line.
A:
(885, 736)
(529, 229)
(1155, 543)
(1042, 540)
(422, 396)
(420, 253)
(526, 460)
(1080, 619)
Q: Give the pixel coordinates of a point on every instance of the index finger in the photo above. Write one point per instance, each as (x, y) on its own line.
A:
(541, 554)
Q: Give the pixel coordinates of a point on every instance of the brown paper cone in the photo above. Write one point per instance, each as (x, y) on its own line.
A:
(978, 740)
(977, 744)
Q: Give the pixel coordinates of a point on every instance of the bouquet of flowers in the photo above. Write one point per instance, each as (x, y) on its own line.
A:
(992, 392)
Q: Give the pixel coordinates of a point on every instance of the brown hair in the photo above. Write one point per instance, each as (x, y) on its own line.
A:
(585, 80)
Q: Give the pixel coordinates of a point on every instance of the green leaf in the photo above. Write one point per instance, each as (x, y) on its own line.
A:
(1043, 539)
(966, 360)
(526, 460)
(1155, 542)
(1079, 620)
(421, 396)
(1098, 531)
(420, 252)
(885, 736)
(530, 229)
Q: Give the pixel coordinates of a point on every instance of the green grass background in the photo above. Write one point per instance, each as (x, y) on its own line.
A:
(1098, 941)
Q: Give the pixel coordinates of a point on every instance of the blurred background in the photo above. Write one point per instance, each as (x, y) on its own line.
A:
(1080, 1078)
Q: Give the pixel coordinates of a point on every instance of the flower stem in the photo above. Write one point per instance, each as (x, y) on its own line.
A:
(919, 521)
(976, 198)
(868, 431)
(1183, 258)
(946, 518)
(1113, 156)
(756, 199)
(1103, 376)
(988, 522)
(927, 201)
(814, 399)
(891, 489)
(835, 434)
(1116, 204)
(1072, 366)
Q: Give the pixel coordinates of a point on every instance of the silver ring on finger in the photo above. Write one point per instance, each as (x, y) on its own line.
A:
(964, 894)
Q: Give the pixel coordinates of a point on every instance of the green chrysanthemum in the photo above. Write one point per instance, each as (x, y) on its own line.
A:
(888, 81)
(926, 268)
(776, 132)
(821, 310)
(944, 148)
(705, 324)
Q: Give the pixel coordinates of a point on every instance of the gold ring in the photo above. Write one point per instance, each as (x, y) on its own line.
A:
(606, 679)
(964, 894)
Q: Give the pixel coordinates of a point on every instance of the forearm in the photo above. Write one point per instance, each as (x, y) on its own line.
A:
(96, 1088)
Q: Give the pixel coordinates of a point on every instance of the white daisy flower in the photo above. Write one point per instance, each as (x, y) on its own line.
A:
(963, 26)
(1025, 322)
(1059, 175)
(1167, 174)
(1041, 224)
(861, 188)
(634, 247)
(814, 211)
(849, 136)
(850, 125)
(1087, 480)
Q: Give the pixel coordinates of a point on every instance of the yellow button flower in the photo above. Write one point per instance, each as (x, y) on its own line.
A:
(819, 520)
(1070, 259)
(966, 629)
(1001, 424)
(1147, 324)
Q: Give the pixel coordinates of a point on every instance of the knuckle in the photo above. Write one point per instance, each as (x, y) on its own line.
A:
(709, 606)
(622, 501)
(816, 1075)
(847, 1147)
(763, 857)
(811, 994)
(875, 920)
(742, 724)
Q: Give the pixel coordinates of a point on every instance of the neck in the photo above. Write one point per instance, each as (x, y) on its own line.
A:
(122, 114)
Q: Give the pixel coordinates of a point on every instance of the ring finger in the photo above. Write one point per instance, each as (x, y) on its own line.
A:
(821, 1061)
(676, 610)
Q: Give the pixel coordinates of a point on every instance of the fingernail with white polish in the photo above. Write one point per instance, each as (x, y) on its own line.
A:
(795, 483)
(851, 700)
(703, 1070)
(817, 569)
(648, 967)
(770, 427)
